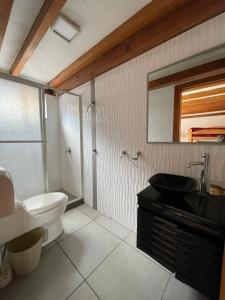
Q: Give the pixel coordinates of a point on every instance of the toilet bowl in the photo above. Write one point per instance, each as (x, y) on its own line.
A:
(48, 209)
(19, 217)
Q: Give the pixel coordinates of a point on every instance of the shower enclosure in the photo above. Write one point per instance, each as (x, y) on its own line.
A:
(40, 140)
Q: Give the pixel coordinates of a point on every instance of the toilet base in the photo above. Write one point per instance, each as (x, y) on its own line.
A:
(52, 231)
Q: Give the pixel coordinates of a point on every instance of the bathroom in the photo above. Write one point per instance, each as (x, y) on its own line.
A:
(84, 143)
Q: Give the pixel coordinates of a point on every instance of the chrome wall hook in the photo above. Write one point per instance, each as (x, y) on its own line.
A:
(68, 150)
(124, 153)
(91, 105)
(138, 154)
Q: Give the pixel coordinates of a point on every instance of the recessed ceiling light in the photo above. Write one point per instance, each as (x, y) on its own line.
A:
(65, 28)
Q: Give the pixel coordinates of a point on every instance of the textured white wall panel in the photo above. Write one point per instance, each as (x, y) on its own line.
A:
(121, 125)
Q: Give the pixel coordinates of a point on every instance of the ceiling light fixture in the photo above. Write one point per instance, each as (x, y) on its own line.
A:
(65, 28)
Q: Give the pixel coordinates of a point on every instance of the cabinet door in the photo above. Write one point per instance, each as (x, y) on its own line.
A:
(157, 238)
(198, 262)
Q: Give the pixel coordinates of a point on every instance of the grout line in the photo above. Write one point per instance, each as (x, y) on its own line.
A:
(84, 279)
(166, 286)
(72, 233)
(74, 290)
(121, 239)
(87, 214)
(126, 236)
(150, 259)
(104, 259)
(92, 290)
(71, 261)
(61, 248)
(101, 214)
(113, 232)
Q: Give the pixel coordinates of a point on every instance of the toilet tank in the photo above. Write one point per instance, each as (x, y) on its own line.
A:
(7, 202)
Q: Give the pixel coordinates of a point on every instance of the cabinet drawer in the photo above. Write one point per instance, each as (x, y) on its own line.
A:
(157, 238)
(198, 262)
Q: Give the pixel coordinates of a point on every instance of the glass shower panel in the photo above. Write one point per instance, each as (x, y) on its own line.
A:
(25, 163)
(21, 146)
(20, 112)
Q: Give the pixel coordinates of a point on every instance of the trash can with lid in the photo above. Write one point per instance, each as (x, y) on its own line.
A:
(25, 251)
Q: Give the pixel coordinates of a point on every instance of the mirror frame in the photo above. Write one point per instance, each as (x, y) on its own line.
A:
(178, 87)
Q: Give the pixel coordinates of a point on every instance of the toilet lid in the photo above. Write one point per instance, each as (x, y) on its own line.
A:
(44, 202)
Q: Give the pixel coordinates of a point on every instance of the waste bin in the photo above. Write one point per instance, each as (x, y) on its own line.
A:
(25, 251)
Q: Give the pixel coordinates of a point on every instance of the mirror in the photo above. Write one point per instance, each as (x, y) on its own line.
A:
(186, 100)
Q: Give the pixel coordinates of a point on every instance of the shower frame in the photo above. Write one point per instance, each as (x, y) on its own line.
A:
(42, 104)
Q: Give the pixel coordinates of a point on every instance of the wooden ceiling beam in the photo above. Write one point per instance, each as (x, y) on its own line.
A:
(205, 70)
(48, 13)
(152, 12)
(5, 10)
(184, 17)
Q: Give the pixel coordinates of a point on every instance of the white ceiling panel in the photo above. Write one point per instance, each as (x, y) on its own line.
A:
(96, 18)
(21, 19)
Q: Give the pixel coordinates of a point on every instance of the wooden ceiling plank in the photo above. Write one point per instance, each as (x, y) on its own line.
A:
(211, 114)
(209, 94)
(206, 84)
(48, 13)
(151, 13)
(152, 35)
(5, 10)
(203, 106)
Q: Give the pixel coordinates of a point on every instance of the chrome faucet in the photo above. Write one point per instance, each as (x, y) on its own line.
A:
(204, 171)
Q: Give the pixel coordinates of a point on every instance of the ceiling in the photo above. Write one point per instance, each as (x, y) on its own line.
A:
(96, 18)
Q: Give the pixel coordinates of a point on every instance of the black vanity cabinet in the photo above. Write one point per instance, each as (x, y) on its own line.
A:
(156, 236)
(181, 240)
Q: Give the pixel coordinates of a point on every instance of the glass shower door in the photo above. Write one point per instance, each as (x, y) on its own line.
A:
(21, 137)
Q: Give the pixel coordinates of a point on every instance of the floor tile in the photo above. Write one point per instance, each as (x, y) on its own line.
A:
(83, 293)
(47, 247)
(88, 247)
(73, 220)
(55, 278)
(89, 211)
(177, 290)
(126, 274)
(131, 239)
(113, 226)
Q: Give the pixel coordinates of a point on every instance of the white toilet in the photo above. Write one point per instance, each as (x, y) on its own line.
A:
(18, 217)
(48, 208)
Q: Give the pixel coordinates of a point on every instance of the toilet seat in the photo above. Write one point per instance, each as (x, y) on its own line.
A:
(42, 203)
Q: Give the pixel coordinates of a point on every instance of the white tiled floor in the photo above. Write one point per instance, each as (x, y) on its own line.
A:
(117, 229)
(96, 258)
(89, 246)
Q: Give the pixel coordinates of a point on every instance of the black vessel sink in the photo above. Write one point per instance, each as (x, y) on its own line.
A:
(171, 185)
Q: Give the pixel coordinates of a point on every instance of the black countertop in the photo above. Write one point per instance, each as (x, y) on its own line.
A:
(206, 212)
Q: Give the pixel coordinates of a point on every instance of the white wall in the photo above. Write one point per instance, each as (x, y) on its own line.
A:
(70, 137)
(160, 114)
(85, 92)
(53, 144)
(121, 125)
